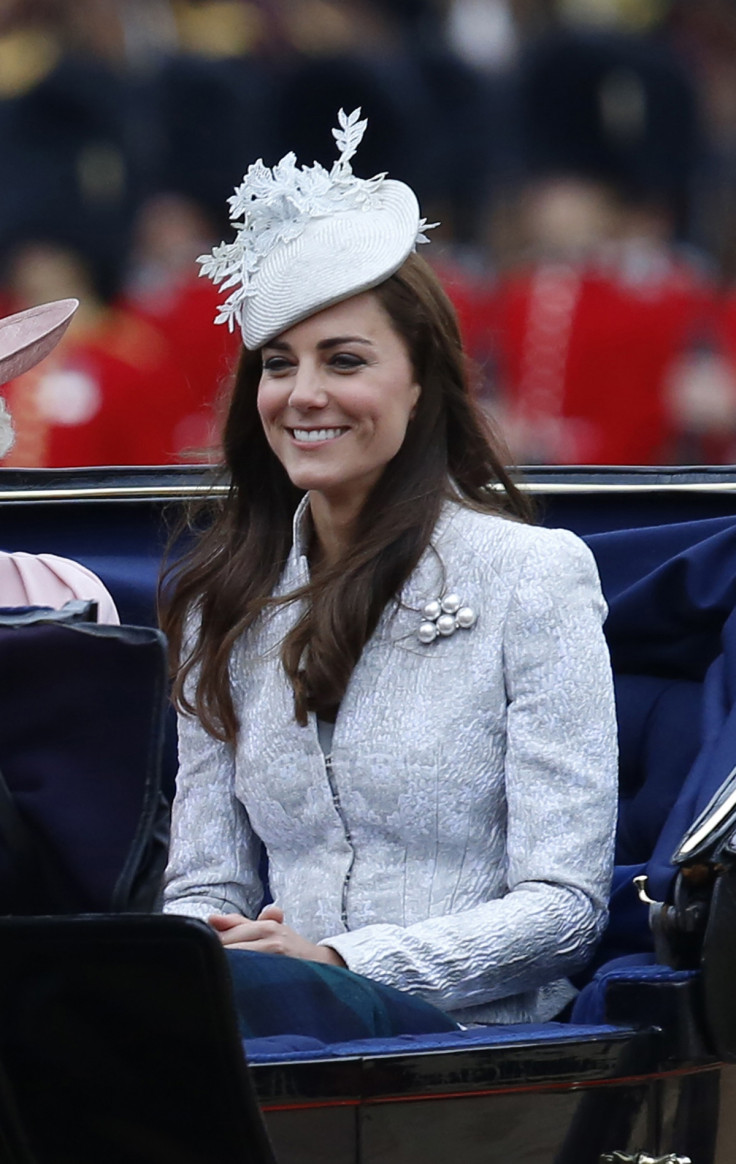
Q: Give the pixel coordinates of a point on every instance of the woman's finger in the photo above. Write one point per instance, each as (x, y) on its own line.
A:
(250, 932)
(271, 912)
(225, 921)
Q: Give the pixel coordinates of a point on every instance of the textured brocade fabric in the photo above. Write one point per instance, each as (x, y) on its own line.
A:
(461, 845)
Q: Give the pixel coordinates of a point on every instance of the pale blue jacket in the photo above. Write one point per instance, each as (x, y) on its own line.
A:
(458, 842)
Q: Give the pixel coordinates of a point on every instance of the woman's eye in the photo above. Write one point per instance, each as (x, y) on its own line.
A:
(276, 364)
(346, 361)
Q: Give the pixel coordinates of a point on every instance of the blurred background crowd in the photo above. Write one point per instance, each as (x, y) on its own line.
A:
(579, 154)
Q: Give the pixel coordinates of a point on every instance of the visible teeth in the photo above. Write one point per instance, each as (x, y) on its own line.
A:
(317, 434)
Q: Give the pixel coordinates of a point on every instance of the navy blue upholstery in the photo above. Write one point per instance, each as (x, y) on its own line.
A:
(590, 1005)
(80, 751)
(659, 738)
(269, 1050)
(672, 633)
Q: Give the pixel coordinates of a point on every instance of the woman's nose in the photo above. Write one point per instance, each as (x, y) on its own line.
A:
(307, 389)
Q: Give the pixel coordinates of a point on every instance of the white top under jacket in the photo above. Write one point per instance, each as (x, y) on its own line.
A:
(459, 845)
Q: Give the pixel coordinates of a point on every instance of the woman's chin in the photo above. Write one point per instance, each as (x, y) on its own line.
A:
(319, 478)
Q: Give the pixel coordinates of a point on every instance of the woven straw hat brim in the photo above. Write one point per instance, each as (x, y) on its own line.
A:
(334, 258)
(28, 336)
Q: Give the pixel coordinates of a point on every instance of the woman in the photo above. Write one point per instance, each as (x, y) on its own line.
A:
(386, 676)
(26, 338)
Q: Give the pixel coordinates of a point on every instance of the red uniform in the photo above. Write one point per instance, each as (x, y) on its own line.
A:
(129, 391)
(474, 299)
(586, 354)
(206, 354)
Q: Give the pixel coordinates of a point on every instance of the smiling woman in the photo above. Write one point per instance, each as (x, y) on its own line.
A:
(387, 677)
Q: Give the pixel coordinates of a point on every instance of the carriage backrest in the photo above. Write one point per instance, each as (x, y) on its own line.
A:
(81, 812)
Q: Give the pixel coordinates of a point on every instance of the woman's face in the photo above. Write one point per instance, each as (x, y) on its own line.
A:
(335, 398)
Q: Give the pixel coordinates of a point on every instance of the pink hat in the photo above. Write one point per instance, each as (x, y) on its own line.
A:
(25, 338)
(28, 336)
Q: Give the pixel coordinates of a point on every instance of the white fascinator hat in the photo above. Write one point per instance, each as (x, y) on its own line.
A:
(25, 339)
(308, 237)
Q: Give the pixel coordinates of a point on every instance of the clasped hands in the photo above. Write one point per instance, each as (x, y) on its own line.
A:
(268, 934)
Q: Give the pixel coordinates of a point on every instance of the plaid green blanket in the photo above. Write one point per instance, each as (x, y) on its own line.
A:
(275, 995)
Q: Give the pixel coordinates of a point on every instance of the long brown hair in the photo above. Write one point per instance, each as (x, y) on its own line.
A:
(239, 555)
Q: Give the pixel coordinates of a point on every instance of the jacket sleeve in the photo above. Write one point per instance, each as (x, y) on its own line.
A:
(561, 793)
(214, 855)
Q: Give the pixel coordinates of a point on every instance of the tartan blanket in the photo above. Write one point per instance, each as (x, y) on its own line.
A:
(275, 995)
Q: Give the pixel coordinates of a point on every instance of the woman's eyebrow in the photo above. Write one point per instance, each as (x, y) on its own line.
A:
(343, 339)
(323, 345)
(282, 346)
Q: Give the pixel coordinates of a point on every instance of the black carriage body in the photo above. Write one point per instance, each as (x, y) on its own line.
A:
(652, 1075)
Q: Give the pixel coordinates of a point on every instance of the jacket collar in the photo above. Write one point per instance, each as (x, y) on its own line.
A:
(300, 527)
(424, 579)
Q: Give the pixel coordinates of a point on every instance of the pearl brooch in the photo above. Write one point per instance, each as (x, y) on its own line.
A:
(441, 617)
(465, 617)
(446, 624)
(427, 632)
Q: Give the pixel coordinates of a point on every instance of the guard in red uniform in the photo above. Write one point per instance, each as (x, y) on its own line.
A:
(596, 330)
(589, 352)
(121, 388)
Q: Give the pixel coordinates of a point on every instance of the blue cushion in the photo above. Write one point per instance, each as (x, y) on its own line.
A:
(672, 633)
(296, 1047)
(80, 741)
(659, 738)
(590, 1005)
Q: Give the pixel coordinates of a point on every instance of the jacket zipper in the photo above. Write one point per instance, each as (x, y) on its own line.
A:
(348, 837)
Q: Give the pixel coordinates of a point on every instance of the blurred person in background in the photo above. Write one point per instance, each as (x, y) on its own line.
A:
(602, 319)
(73, 137)
(594, 328)
(75, 157)
(163, 289)
(704, 35)
(110, 393)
